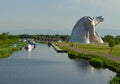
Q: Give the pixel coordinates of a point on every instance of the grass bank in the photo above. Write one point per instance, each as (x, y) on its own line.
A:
(7, 50)
(98, 48)
(96, 61)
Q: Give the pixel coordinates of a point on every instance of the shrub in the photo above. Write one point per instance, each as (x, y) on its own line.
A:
(115, 80)
(97, 63)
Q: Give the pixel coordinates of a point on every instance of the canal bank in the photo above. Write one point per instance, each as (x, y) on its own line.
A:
(57, 49)
(7, 50)
(96, 60)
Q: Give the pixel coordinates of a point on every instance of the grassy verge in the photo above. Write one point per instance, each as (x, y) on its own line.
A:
(7, 51)
(97, 62)
(97, 48)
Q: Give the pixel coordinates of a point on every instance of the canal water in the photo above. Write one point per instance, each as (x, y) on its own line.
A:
(44, 65)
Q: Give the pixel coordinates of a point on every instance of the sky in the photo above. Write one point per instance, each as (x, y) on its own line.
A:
(57, 16)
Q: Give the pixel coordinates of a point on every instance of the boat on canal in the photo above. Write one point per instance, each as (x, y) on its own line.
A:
(31, 45)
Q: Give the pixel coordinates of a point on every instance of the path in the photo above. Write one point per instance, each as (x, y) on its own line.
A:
(110, 57)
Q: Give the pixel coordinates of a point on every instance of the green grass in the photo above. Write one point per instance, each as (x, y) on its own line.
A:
(97, 48)
(5, 52)
(8, 50)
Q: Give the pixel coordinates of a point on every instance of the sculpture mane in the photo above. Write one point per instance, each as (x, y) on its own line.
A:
(84, 30)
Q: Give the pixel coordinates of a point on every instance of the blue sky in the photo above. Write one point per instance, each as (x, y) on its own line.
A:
(50, 16)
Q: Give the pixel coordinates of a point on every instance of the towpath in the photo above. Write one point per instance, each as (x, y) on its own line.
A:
(110, 57)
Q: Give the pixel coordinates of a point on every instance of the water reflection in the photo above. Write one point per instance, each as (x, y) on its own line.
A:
(29, 54)
(91, 74)
(80, 63)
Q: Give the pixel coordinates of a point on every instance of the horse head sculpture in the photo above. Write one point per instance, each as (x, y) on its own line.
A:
(97, 20)
(84, 30)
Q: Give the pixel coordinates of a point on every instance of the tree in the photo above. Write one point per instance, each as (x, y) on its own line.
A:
(6, 39)
(117, 40)
(64, 37)
(111, 45)
(4, 36)
(107, 38)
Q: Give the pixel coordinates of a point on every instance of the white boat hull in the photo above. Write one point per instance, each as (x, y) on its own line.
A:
(30, 47)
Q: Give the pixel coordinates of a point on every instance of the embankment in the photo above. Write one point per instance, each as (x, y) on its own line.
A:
(7, 51)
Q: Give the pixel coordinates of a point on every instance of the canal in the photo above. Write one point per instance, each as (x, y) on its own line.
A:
(44, 65)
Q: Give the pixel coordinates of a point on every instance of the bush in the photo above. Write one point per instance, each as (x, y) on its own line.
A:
(73, 55)
(97, 63)
(115, 80)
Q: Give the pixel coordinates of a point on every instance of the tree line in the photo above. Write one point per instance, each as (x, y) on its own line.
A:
(112, 41)
(42, 36)
(109, 38)
(6, 38)
(106, 38)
